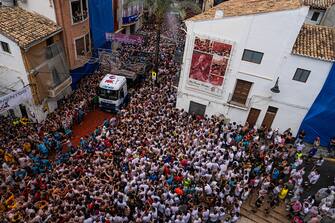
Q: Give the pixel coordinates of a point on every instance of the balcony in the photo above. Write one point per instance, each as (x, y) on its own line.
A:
(54, 92)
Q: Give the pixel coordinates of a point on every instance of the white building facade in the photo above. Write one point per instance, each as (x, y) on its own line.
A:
(13, 74)
(33, 67)
(45, 8)
(243, 56)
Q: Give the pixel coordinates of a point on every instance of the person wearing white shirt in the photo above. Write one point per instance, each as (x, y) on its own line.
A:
(197, 220)
(186, 217)
(313, 177)
(195, 212)
(213, 217)
(174, 209)
(205, 215)
(208, 189)
(235, 218)
(167, 212)
(221, 214)
(147, 218)
(179, 219)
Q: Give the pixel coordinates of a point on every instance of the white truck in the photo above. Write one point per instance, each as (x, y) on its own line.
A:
(113, 92)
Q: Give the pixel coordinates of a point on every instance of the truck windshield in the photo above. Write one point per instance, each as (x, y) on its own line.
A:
(108, 94)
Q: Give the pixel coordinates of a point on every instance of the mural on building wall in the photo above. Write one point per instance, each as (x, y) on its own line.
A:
(200, 66)
(209, 64)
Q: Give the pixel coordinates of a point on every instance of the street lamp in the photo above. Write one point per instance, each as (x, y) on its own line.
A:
(275, 88)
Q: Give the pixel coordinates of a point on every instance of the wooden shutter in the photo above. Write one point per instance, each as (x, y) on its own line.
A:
(269, 116)
(241, 92)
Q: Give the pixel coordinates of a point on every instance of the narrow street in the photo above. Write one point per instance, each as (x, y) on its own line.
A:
(209, 95)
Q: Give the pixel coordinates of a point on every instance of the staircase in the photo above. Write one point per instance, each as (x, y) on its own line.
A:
(276, 215)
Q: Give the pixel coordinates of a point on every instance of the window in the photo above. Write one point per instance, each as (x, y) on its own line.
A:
(121, 93)
(50, 41)
(83, 45)
(87, 43)
(5, 47)
(315, 16)
(252, 56)
(216, 2)
(241, 92)
(301, 75)
(108, 94)
(78, 10)
(55, 76)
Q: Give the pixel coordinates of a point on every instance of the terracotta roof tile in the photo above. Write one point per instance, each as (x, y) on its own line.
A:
(25, 27)
(248, 7)
(319, 4)
(316, 41)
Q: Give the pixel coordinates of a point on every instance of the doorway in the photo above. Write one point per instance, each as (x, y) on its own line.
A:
(132, 28)
(253, 116)
(23, 111)
(269, 116)
(196, 108)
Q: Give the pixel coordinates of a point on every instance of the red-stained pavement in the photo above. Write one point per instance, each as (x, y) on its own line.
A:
(88, 125)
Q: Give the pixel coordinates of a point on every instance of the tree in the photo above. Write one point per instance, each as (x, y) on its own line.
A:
(159, 9)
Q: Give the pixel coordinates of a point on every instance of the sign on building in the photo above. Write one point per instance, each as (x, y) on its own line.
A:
(14, 99)
(209, 65)
(125, 38)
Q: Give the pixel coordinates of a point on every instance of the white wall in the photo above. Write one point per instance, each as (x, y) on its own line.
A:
(300, 93)
(45, 8)
(12, 70)
(274, 34)
(13, 63)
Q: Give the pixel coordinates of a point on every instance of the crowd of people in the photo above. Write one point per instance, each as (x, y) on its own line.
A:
(150, 163)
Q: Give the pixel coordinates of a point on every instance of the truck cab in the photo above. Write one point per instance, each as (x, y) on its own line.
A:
(113, 92)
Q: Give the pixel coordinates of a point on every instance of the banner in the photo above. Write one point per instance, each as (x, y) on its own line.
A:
(130, 19)
(125, 38)
(14, 99)
(210, 60)
(131, 12)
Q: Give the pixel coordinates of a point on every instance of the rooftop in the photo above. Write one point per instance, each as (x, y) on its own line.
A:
(25, 28)
(248, 7)
(319, 4)
(316, 41)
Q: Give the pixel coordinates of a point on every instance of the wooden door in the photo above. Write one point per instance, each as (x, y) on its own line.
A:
(23, 111)
(269, 116)
(241, 91)
(253, 116)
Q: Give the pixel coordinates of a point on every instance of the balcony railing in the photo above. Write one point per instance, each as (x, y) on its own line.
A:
(60, 88)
